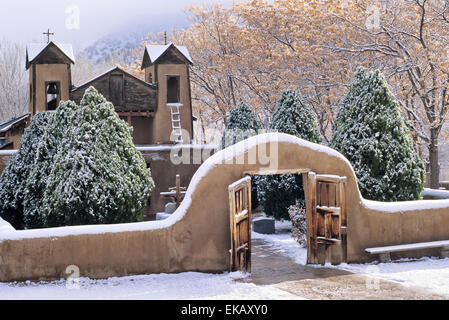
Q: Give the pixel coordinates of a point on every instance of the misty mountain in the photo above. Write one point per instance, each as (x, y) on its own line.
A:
(118, 43)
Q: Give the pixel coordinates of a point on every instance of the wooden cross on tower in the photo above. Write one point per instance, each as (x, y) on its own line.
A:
(48, 34)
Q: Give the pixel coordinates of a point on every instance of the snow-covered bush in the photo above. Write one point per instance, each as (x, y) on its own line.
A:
(240, 125)
(54, 133)
(83, 169)
(98, 176)
(293, 116)
(297, 215)
(14, 178)
(372, 134)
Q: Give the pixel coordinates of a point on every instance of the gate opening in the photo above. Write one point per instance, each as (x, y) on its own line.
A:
(325, 200)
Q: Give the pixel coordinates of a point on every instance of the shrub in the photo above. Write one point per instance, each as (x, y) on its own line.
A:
(297, 215)
(98, 176)
(14, 178)
(372, 134)
(56, 130)
(83, 168)
(240, 125)
(277, 193)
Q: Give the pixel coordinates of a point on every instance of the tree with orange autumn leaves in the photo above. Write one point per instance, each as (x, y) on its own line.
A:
(255, 49)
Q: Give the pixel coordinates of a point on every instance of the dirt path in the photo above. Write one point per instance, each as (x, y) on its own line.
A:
(272, 268)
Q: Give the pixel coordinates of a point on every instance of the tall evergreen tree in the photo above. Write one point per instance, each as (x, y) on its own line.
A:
(48, 145)
(293, 116)
(14, 178)
(372, 134)
(240, 125)
(76, 166)
(98, 176)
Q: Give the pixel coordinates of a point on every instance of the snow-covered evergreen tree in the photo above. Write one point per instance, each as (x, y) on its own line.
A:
(372, 134)
(240, 125)
(98, 176)
(48, 145)
(14, 178)
(293, 116)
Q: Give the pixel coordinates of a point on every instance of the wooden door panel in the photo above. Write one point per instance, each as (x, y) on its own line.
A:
(240, 224)
(116, 90)
(326, 216)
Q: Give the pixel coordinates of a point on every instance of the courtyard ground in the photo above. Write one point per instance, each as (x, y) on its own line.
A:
(278, 272)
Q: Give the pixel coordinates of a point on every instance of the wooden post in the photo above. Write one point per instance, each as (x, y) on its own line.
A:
(343, 221)
(248, 192)
(178, 190)
(311, 218)
(232, 226)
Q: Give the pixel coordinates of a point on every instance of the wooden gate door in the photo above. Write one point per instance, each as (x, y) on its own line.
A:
(326, 218)
(240, 215)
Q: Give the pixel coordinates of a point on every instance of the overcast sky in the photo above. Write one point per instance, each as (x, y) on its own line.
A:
(26, 20)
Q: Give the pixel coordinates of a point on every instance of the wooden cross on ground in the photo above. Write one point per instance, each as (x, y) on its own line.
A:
(48, 34)
(178, 192)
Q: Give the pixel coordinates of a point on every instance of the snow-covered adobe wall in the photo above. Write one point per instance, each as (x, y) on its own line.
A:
(196, 237)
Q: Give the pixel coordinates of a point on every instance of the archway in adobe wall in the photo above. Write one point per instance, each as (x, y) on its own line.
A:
(197, 236)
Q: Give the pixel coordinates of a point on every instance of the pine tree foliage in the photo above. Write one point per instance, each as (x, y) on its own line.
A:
(51, 140)
(294, 116)
(277, 193)
(82, 169)
(14, 177)
(98, 176)
(240, 125)
(372, 134)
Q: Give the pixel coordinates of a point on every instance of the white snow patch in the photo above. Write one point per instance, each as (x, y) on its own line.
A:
(403, 206)
(188, 285)
(7, 152)
(155, 51)
(282, 242)
(159, 148)
(162, 215)
(5, 226)
(34, 49)
(428, 273)
(434, 193)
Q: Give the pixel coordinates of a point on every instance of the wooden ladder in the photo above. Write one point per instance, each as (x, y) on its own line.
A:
(176, 123)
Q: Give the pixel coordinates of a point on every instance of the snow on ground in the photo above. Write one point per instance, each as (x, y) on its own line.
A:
(425, 273)
(429, 273)
(283, 243)
(188, 285)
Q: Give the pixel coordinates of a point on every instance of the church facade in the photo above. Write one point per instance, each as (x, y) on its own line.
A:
(159, 108)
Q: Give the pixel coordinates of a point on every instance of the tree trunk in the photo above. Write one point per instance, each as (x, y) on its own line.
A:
(433, 161)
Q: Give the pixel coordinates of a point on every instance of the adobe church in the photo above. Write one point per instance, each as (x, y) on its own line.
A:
(158, 108)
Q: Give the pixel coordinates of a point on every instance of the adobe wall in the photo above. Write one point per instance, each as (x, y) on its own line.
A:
(164, 170)
(5, 155)
(196, 237)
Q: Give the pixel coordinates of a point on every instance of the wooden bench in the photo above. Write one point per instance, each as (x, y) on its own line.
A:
(384, 252)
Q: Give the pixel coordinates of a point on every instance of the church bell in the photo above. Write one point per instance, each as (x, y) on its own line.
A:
(52, 89)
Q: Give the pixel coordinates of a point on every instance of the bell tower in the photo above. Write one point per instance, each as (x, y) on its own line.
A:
(168, 67)
(49, 68)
